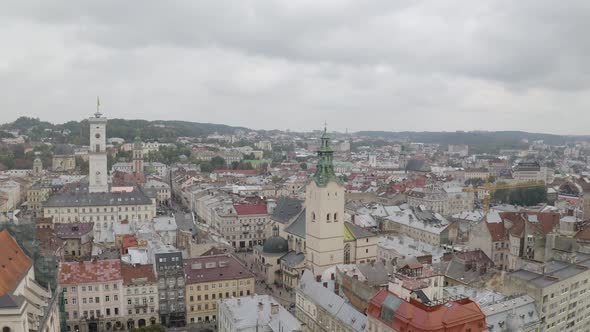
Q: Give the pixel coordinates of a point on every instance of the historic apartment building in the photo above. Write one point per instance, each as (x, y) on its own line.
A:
(93, 295)
(141, 295)
(212, 278)
(171, 288)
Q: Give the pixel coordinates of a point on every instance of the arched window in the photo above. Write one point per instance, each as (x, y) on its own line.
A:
(313, 216)
(328, 217)
(6, 329)
(335, 217)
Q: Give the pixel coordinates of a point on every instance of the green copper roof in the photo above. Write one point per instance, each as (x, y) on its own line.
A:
(325, 169)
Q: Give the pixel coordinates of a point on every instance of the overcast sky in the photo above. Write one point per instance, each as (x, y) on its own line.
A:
(363, 65)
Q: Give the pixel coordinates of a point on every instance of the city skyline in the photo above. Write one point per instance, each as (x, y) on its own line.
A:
(381, 66)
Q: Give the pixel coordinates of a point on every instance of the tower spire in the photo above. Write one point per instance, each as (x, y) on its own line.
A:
(97, 114)
(325, 168)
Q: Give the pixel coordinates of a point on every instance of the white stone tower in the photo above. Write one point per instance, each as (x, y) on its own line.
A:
(37, 167)
(324, 219)
(137, 156)
(97, 154)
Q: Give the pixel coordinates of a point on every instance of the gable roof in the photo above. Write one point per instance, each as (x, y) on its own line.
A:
(14, 263)
(497, 230)
(286, 209)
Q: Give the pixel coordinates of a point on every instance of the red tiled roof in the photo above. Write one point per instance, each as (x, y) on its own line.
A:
(460, 315)
(14, 264)
(89, 272)
(210, 269)
(497, 231)
(131, 273)
(546, 221)
(583, 234)
(245, 209)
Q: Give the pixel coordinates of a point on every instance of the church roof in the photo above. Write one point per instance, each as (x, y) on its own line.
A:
(15, 263)
(353, 232)
(297, 227)
(287, 208)
(275, 245)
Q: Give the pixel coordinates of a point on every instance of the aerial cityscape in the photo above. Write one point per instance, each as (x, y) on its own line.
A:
(330, 166)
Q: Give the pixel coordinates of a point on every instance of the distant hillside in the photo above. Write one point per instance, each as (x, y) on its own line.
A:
(478, 141)
(77, 132)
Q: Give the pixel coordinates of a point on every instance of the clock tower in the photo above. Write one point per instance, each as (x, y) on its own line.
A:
(97, 154)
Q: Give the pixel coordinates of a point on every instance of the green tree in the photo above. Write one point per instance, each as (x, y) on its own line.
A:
(83, 165)
(217, 162)
(206, 167)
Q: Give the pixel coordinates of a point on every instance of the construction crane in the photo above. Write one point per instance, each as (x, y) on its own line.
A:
(490, 188)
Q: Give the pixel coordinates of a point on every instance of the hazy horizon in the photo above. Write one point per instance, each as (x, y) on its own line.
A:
(381, 65)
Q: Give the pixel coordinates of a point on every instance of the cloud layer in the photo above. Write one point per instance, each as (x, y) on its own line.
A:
(384, 65)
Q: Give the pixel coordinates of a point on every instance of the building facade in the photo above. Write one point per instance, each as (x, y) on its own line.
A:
(213, 278)
(93, 295)
(171, 288)
(141, 295)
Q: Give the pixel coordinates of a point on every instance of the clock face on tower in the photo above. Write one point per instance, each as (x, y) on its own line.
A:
(97, 135)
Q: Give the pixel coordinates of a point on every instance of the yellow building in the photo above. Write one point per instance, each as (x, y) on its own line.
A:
(211, 278)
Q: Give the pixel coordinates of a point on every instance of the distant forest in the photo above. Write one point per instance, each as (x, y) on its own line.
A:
(77, 132)
(478, 141)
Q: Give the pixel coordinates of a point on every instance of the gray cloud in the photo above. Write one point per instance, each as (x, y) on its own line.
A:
(390, 65)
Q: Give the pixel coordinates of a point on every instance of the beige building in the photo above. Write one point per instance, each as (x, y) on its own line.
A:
(103, 209)
(37, 195)
(212, 278)
(26, 305)
(93, 295)
(63, 163)
(141, 295)
(446, 201)
(77, 239)
(360, 245)
(560, 289)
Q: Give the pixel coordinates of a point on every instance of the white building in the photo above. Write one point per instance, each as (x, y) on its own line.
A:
(97, 155)
(93, 295)
(258, 313)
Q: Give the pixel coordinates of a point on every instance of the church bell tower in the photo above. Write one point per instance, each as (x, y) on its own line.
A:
(324, 209)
